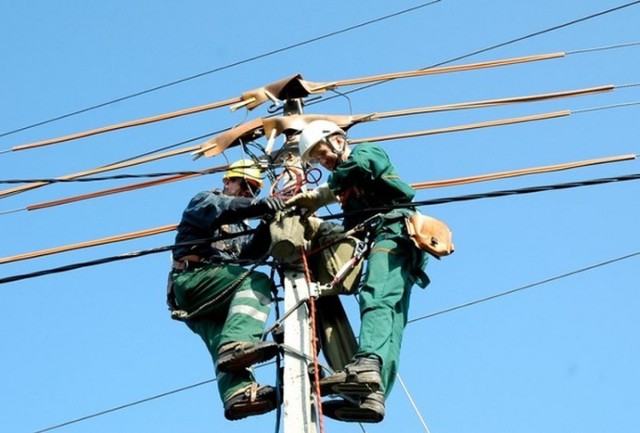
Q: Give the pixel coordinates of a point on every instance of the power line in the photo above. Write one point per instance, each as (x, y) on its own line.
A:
(444, 200)
(124, 406)
(500, 45)
(222, 68)
(417, 319)
(501, 193)
(525, 287)
(125, 256)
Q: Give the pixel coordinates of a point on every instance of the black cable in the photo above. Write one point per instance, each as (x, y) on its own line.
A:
(125, 256)
(222, 68)
(493, 47)
(444, 200)
(493, 194)
(468, 304)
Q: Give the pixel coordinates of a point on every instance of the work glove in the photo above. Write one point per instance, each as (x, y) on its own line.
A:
(313, 200)
(272, 204)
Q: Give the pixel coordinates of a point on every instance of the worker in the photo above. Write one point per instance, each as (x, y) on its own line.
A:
(363, 179)
(224, 303)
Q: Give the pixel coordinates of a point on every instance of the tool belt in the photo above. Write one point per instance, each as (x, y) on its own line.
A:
(430, 234)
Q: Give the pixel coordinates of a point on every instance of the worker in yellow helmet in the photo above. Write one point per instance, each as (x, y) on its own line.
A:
(224, 303)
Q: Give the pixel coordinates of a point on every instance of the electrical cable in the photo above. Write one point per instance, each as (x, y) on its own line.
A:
(411, 321)
(493, 194)
(125, 406)
(222, 68)
(125, 256)
(444, 200)
(525, 287)
(500, 45)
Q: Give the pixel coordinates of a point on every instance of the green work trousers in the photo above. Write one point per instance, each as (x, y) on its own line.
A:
(238, 314)
(392, 270)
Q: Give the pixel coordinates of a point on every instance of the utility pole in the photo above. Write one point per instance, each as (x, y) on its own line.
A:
(297, 403)
(297, 399)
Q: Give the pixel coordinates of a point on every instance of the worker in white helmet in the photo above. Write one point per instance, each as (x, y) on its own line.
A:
(363, 179)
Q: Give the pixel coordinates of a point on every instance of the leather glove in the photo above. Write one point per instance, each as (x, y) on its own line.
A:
(313, 200)
(273, 204)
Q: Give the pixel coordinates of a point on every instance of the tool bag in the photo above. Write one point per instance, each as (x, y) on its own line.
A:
(430, 234)
(333, 252)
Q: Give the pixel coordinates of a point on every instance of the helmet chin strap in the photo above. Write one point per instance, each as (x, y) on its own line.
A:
(338, 152)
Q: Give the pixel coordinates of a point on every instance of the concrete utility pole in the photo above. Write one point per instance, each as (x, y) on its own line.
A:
(297, 399)
(297, 403)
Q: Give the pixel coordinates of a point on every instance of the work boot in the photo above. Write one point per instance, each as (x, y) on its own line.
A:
(359, 378)
(235, 357)
(250, 401)
(367, 409)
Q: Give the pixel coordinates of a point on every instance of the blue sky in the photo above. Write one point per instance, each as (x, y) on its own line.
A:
(559, 356)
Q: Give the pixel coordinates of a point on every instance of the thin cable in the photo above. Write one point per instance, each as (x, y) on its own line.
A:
(124, 406)
(221, 68)
(606, 107)
(500, 45)
(525, 287)
(609, 47)
(413, 403)
(6, 212)
(628, 85)
(468, 304)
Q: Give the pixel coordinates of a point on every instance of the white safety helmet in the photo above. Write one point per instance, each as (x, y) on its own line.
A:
(314, 133)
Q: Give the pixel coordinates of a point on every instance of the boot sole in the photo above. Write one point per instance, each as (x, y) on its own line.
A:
(265, 402)
(353, 414)
(251, 357)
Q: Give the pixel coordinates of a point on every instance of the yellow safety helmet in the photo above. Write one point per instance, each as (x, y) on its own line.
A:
(247, 170)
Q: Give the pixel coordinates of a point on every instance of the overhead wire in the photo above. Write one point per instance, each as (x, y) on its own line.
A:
(509, 42)
(431, 202)
(410, 321)
(224, 67)
(416, 186)
(466, 127)
(468, 304)
(525, 287)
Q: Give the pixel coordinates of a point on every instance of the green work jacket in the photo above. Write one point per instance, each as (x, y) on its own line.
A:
(368, 180)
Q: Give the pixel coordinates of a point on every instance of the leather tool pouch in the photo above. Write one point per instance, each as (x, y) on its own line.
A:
(430, 234)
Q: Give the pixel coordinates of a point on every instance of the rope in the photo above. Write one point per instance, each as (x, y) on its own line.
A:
(314, 349)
